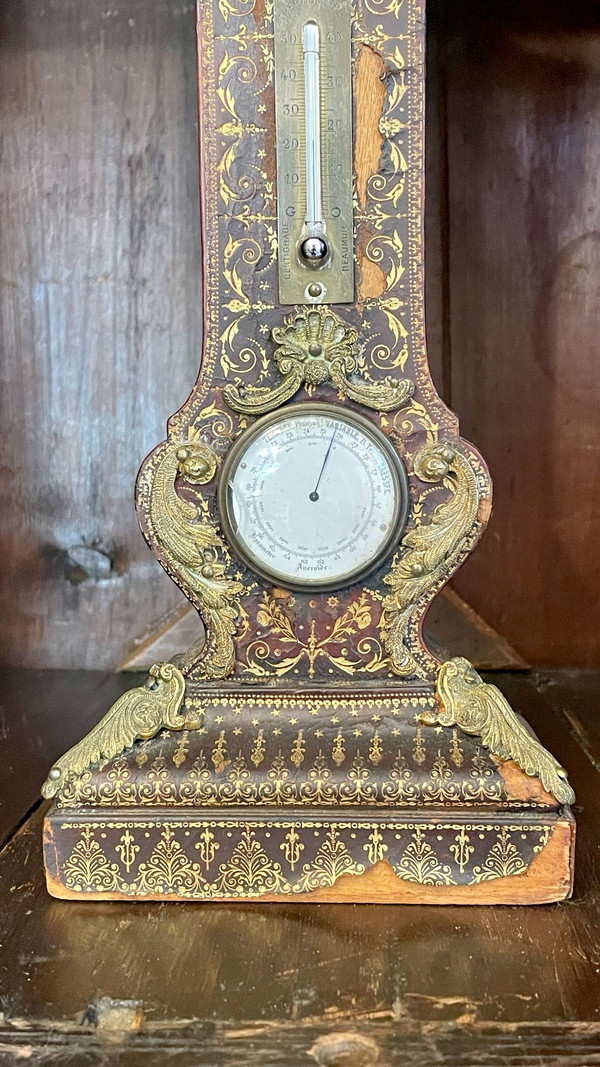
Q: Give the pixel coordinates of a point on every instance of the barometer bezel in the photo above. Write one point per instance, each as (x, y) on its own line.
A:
(379, 439)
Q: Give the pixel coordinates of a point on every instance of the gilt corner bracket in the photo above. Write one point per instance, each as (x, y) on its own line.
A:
(139, 713)
(480, 709)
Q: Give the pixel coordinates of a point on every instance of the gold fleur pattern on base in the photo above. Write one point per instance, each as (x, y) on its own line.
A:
(262, 748)
(127, 850)
(282, 857)
(234, 782)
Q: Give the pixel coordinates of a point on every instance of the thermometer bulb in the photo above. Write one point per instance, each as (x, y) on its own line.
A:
(313, 251)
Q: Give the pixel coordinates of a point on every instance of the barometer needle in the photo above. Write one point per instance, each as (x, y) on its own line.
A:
(314, 495)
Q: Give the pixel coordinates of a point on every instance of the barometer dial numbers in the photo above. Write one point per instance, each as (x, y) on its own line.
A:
(313, 497)
(313, 107)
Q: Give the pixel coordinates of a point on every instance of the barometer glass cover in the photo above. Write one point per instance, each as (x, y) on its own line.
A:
(313, 497)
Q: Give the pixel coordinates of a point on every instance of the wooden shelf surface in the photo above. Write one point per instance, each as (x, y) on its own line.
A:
(128, 984)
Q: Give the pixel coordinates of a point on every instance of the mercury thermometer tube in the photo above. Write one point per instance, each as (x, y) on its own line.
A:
(312, 117)
(314, 248)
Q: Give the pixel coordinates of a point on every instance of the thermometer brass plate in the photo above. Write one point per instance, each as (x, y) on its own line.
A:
(313, 103)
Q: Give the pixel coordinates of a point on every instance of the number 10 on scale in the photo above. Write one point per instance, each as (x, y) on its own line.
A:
(313, 105)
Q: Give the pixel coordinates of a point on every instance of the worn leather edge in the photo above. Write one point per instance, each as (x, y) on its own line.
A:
(548, 880)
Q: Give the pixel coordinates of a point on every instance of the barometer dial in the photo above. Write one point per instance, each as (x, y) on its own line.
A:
(313, 497)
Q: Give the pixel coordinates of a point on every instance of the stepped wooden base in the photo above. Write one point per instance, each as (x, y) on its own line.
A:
(306, 797)
(405, 857)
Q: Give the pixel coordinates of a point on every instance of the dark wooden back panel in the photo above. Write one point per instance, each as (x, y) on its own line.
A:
(524, 312)
(100, 310)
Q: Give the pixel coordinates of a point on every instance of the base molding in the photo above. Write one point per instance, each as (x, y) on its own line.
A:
(433, 857)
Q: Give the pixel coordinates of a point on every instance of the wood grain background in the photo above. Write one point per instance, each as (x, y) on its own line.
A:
(100, 311)
(523, 151)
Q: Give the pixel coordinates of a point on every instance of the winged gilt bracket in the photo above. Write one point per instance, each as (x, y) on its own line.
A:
(315, 346)
(480, 709)
(139, 713)
(465, 701)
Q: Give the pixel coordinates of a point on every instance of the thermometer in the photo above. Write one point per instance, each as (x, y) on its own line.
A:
(312, 127)
(313, 105)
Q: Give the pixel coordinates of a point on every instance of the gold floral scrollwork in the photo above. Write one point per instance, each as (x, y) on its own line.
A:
(384, 7)
(88, 868)
(139, 713)
(419, 863)
(480, 709)
(391, 186)
(503, 860)
(332, 860)
(235, 10)
(388, 247)
(194, 552)
(234, 187)
(250, 871)
(238, 256)
(260, 658)
(169, 870)
(428, 552)
(315, 346)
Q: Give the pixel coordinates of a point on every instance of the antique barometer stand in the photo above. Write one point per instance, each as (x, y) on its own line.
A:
(312, 497)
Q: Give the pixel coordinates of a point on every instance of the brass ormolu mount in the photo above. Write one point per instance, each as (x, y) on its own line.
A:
(465, 701)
